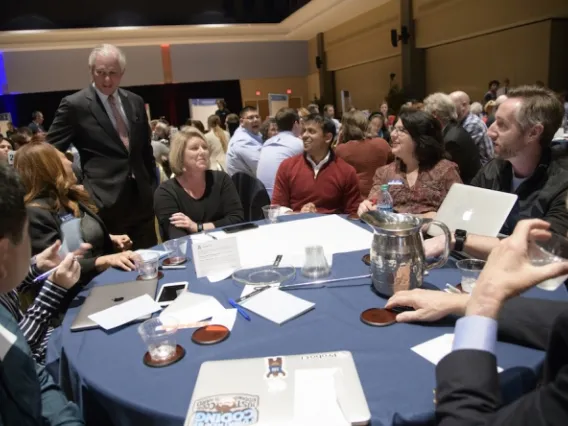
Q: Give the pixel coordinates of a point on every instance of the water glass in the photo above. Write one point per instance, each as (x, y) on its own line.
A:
(470, 270)
(147, 265)
(159, 334)
(175, 251)
(271, 212)
(545, 252)
(316, 265)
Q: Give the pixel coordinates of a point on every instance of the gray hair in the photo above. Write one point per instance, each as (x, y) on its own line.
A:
(107, 50)
(441, 106)
(476, 108)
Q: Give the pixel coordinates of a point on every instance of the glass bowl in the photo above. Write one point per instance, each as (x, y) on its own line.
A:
(265, 275)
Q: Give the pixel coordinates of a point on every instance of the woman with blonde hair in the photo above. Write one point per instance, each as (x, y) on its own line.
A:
(197, 199)
(217, 141)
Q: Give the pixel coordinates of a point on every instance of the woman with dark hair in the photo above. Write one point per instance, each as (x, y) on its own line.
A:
(268, 129)
(232, 123)
(378, 126)
(420, 177)
(195, 123)
(365, 154)
(5, 148)
(217, 142)
(55, 204)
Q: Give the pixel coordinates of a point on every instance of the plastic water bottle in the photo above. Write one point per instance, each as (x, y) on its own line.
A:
(385, 202)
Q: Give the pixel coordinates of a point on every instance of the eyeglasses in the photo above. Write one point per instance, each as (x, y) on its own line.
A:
(103, 73)
(252, 117)
(399, 129)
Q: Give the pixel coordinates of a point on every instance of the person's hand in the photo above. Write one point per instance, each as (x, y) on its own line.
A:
(434, 247)
(50, 258)
(309, 208)
(365, 206)
(121, 242)
(179, 220)
(68, 273)
(123, 260)
(509, 271)
(429, 305)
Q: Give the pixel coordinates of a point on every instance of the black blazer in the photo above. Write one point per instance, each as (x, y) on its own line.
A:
(35, 128)
(462, 150)
(45, 229)
(468, 383)
(82, 120)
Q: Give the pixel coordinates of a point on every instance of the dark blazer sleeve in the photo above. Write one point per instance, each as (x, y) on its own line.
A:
(165, 205)
(231, 207)
(43, 227)
(62, 131)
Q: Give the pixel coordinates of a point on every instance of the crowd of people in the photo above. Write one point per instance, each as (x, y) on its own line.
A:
(102, 176)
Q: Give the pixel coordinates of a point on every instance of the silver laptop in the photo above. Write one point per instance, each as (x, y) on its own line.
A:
(261, 391)
(106, 296)
(477, 210)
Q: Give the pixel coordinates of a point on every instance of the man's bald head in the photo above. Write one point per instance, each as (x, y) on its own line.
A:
(462, 101)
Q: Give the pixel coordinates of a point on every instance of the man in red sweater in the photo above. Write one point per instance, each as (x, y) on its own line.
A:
(317, 180)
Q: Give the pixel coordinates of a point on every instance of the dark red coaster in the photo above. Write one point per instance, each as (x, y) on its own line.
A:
(174, 261)
(210, 334)
(366, 259)
(179, 354)
(353, 216)
(159, 277)
(378, 317)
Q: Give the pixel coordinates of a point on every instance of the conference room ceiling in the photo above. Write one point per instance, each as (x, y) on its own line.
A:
(305, 19)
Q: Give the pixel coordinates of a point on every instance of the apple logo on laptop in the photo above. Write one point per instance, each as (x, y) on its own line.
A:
(467, 215)
(118, 299)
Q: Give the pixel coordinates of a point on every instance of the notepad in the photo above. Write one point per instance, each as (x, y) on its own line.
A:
(277, 306)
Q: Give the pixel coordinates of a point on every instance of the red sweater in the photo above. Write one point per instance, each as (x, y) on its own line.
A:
(334, 190)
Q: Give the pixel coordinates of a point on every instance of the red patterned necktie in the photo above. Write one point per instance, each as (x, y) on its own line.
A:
(120, 124)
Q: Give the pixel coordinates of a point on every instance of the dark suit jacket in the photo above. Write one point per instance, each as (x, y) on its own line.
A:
(35, 128)
(462, 150)
(107, 165)
(468, 383)
(45, 229)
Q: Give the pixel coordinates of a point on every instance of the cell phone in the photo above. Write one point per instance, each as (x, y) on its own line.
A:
(11, 155)
(241, 227)
(169, 292)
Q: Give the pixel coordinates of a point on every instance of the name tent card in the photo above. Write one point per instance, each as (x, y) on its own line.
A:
(216, 256)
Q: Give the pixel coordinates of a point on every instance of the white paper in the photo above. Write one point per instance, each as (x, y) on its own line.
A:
(161, 253)
(7, 339)
(199, 238)
(189, 308)
(435, 350)
(277, 306)
(260, 246)
(226, 318)
(211, 257)
(125, 312)
(315, 398)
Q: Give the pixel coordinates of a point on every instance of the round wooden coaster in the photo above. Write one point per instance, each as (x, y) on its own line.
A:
(378, 317)
(179, 354)
(353, 216)
(174, 261)
(210, 334)
(159, 277)
(366, 259)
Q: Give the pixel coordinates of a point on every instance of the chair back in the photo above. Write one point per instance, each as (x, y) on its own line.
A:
(253, 195)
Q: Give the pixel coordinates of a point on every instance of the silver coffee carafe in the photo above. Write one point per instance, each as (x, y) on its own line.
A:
(397, 255)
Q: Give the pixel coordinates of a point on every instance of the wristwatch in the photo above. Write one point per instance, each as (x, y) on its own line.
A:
(460, 235)
(199, 227)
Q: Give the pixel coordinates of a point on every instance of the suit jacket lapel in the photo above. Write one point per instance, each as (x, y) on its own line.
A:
(98, 110)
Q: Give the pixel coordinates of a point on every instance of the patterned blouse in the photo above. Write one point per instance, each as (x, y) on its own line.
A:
(428, 192)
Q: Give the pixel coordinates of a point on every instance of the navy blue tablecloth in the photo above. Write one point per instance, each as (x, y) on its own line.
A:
(104, 372)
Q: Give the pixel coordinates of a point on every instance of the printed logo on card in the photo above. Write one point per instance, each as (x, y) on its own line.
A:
(226, 410)
(395, 182)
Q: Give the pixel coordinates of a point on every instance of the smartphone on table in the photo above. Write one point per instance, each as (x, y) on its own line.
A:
(169, 292)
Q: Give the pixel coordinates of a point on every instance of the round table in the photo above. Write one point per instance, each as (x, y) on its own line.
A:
(105, 374)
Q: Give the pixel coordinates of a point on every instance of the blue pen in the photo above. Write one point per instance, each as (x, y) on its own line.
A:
(239, 309)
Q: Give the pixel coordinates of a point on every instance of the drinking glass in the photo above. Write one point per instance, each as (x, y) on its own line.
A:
(147, 265)
(175, 251)
(271, 212)
(316, 265)
(159, 334)
(470, 270)
(545, 252)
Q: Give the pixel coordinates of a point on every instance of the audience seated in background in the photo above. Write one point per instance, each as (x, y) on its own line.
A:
(21, 137)
(53, 201)
(473, 125)
(10, 129)
(524, 165)
(365, 153)
(195, 123)
(196, 199)
(244, 147)
(268, 129)
(499, 101)
(378, 126)
(420, 177)
(317, 180)
(160, 147)
(232, 123)
(313, 108)
(5, 147)
(329, 112)
(28, 394)
(283, 145)
(303, 113)
(458, 143)
(217, 142)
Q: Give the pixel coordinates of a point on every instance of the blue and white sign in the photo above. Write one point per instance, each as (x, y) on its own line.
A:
(201, 109)
(276, 101)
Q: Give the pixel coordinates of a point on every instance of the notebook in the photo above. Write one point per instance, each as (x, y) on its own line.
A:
(277, 306)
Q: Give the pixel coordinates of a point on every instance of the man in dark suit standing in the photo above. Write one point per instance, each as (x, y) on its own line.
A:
(36, 126)
(110, 129)
(458, 143)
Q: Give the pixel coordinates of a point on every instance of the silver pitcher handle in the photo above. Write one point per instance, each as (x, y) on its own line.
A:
(447, 248)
